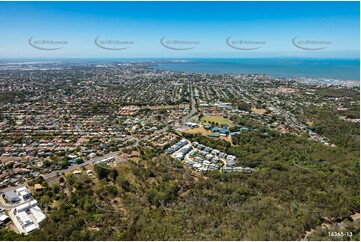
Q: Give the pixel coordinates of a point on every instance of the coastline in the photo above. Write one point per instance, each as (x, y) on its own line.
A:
(271, 72)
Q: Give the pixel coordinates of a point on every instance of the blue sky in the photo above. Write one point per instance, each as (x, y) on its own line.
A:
(210, 24)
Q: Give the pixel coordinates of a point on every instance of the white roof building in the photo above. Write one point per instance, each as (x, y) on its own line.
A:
(38, 214)
(25, 222)
(192, 125)
(3, 217)
(23, 193)
(20, 189)
(26, 206)
(27, 216)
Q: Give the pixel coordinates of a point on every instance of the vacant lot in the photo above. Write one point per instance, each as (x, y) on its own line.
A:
(259, 111)
(199, 130)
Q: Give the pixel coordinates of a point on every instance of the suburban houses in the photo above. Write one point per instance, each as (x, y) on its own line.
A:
(48, 128)
(202, 158)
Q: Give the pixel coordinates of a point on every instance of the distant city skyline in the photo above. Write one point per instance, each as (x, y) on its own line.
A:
(202, 29)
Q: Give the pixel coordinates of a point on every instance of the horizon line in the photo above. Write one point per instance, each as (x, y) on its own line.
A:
(178, 58)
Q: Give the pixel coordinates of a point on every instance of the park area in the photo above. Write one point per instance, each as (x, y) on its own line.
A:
(217, 120)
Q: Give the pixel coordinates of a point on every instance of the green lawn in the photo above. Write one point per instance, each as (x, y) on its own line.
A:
(217, 119)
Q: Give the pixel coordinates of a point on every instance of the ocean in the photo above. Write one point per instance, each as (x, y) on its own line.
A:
(336, 69)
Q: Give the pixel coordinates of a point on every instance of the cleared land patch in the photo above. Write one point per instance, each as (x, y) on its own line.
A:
(259, 111)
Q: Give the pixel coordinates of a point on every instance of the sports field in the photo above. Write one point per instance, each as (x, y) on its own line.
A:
(217, 119)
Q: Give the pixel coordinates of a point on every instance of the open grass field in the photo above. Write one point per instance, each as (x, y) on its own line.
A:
(205, 132)
(217, 119)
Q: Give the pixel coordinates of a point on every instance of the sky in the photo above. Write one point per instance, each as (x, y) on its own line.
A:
(264, 29)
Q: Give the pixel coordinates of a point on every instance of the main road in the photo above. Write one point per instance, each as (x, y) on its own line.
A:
(182, 120)
(193, 107)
